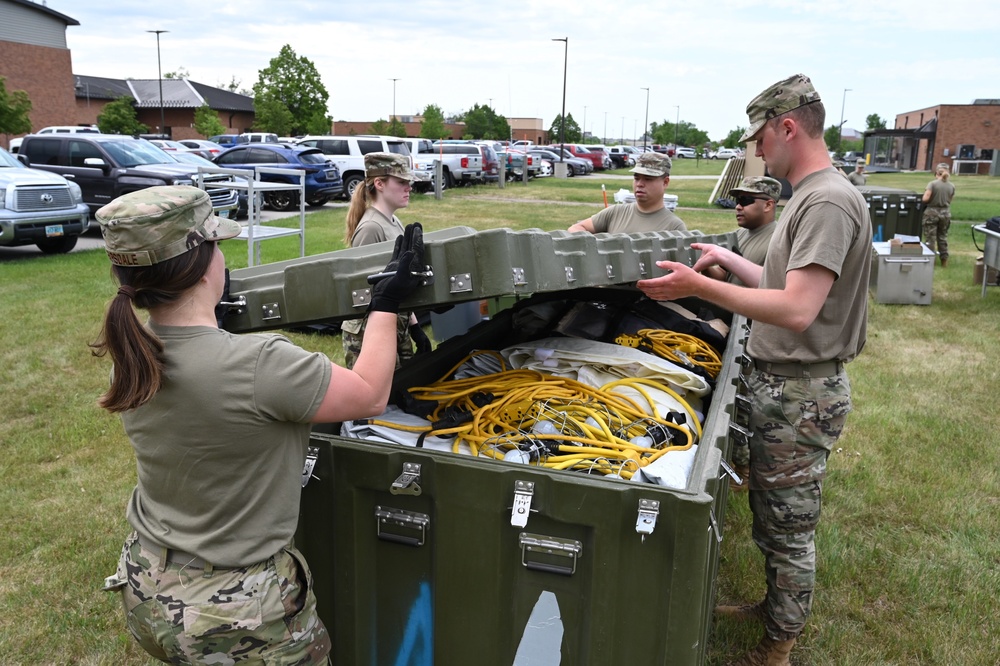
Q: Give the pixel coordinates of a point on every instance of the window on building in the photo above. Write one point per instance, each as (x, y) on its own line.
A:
(966, 151)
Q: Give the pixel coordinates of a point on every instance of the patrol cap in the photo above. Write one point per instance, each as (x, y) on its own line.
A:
(757, 185)
(154, 224)
(390, 164)
(860, 162)
(782, 97)
(943, 165)
(652, 164)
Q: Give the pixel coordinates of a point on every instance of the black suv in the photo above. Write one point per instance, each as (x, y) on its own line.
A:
(106, 166)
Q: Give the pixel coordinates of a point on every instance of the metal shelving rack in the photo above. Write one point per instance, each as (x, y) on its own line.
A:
(254, 232)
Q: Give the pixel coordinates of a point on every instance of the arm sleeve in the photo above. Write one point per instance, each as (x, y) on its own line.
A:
(290, 382)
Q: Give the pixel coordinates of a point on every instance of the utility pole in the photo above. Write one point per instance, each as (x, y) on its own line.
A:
(159, 74)
(645, 128)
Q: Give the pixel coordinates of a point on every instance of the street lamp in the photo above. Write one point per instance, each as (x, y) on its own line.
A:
(604, 137)
(393, 118)
(584, 137)
(623, 131)
(562, 123)
(645, 128)
(840, 127)
(676, 125)
(159, 74)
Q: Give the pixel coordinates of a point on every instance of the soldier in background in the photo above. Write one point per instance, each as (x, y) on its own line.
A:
(937, 212)
(858, 177)
(648, 213)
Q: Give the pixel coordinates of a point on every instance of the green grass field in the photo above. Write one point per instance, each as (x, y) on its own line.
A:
(909, 554)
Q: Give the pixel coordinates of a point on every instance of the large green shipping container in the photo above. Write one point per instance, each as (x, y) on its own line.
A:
(893, 211)
(424, 556)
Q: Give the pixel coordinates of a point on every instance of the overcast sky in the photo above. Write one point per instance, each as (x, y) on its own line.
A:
(707, 57)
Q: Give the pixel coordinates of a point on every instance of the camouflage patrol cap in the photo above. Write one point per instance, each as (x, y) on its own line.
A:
(390, 164)
(148, 226)
(756, 185)
(860, 162)
(652, 164)
(943, 165)
(782, 97)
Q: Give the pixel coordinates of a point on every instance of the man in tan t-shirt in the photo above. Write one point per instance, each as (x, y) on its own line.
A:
(651, 176)
(810, 313)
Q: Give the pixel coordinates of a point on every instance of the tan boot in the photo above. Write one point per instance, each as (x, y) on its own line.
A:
(743, 612)
(944, 262)
(744, 473)
(768, 652)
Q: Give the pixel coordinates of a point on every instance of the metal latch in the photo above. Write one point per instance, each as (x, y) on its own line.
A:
(714, 525)
(270, 311)
(307, 471)
(611, 271)
(738, 431)
(728, 470)
(407, 483)
(235, 306)
(546, 553)
(648, 512)
(460, 283)
(570, 277)
(523, 491)
(401, 526)
(642, 268)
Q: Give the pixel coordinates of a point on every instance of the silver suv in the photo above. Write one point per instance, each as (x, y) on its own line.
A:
(39, 208)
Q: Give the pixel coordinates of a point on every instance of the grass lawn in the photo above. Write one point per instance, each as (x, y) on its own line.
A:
(909, 554)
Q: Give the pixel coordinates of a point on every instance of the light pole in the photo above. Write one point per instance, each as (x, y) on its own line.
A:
(584, 137)
(623, 131)
(562, 122)
(604, 137)
(159, 74)
(645, 128)
(840, 127)
(393, 118)
(676, 125)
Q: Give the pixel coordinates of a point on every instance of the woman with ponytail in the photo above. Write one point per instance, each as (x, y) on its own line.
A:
(371, 219)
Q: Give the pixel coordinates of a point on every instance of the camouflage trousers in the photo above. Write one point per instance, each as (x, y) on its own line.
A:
(936, 222)
(404, 343)
(264, 613)
(795, 423)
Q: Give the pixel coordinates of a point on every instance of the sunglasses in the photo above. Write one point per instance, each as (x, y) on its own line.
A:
(747, 200)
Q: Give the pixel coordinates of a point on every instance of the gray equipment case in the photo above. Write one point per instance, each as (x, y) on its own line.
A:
(428, 557)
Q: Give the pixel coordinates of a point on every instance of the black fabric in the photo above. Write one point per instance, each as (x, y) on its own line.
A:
(407, 259)
(993, 224)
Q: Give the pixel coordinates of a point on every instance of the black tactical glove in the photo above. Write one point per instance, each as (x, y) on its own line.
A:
(407, 259)
(420, 339)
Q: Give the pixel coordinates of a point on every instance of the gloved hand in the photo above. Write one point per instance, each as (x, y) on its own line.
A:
(407, 258)
(420, 339)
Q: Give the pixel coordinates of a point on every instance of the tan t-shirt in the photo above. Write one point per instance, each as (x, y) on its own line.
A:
(942, 192)
(373, 227)
(826, 222)
(753, 245)
(627, 218)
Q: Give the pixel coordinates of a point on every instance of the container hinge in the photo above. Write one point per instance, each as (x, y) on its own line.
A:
(714, 525)
(570, 277)
(307, 471)
(270, 311)
(739, 432)
(518, 274)
(642, 268)
(460, 283)
(743, 403)
(360, 298)
(523, 491)
(407, 483)
(727, 470)
(407, 527)
(611, 271)
(648, 512)
(546, 553)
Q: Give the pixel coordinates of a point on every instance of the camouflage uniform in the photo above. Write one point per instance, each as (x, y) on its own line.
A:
(264, 613)
(788, 464)
(937, 214)
(404, 343)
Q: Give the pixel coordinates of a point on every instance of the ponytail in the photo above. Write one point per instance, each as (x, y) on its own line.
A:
(361, 200)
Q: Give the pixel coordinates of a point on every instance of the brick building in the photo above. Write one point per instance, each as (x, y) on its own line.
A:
(967, 133)
(34, 58)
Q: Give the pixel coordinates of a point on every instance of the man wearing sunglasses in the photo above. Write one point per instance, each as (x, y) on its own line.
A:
(810, 316)
(756, 205)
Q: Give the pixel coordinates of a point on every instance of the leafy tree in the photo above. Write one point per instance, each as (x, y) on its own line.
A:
(15, 108)
(396, 128)
(234, 86)
(732, 139)
(482, 122)
(687, 134)
(832, 137)
(118, 117)
(206, 121)
(874, 122)
(294, 82)
(271, 115)
(573, 132)
(433, 125)
(181, 73)
(380, 126)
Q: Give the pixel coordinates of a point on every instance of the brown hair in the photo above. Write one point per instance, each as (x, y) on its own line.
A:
(810, 117)
(361, 200)
(137, 353)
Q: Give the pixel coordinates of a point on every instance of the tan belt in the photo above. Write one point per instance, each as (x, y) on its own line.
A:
(173, 556)
(800, 370)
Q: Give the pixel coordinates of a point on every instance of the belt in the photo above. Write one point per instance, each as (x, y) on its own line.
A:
(174, 556)
(799, 370)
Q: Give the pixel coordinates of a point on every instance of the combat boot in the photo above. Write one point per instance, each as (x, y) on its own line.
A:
(744, 473)
(768, 652)
(743, 612)
(944, 262)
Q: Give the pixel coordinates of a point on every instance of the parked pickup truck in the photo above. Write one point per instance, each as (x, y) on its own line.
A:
(462, 163)
(106, 166)
(39, 208)
(597, 159)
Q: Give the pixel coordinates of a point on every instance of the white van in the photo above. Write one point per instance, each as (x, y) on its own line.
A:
(348, 153)
(257, 137)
